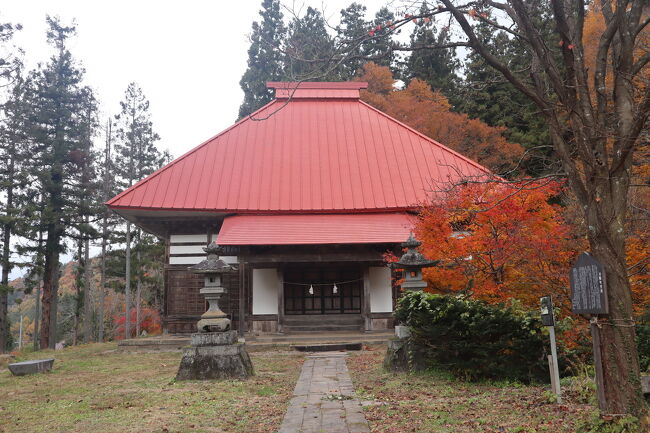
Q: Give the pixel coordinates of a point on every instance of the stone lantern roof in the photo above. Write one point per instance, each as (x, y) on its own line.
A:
(413, 258)
(212, 263)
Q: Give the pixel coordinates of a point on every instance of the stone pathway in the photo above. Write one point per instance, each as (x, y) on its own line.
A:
(316, 407)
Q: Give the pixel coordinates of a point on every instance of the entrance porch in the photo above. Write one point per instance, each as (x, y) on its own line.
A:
(320, 297)
(286, 288)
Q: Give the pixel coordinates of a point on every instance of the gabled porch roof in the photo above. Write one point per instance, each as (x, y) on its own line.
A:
(315, 229)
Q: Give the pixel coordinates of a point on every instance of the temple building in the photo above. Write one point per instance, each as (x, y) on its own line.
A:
(304, 196)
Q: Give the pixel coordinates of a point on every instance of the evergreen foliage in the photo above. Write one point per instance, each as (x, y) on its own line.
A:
(475, 340)
(309, 49)
(352, 31)
(487, 96)
(265, 61)
(60, 104)
(13, 182)
(379, 48)
(136, 156)
(438, 67)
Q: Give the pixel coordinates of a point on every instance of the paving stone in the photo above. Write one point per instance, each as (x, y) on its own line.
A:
(314, 407)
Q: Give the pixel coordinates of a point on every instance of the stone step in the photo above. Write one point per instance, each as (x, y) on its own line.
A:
(258, 342)
(315, 320)
(322, 328)
(344, 337)
(330, 347)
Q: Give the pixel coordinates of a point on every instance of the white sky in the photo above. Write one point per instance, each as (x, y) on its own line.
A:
(188, 57)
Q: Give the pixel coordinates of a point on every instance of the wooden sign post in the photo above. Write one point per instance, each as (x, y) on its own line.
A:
(548, 319)
(589, 296)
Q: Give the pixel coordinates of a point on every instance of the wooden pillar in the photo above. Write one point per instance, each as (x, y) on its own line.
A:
(365, 309)
(165, 291)
(242, 299)
(280, 301)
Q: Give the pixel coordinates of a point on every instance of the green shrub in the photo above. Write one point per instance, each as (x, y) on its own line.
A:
(475, 340)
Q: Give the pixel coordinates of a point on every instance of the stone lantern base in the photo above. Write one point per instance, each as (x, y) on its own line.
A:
(215, 355)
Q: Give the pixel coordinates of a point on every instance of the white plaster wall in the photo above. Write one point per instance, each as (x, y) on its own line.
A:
(186, 249)
(193, 260)
(189, 238)
(381, 297)
(265, 291)
(202, 239)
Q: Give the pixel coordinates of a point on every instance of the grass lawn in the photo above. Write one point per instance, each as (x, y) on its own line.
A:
(95, 388)
(436, 402)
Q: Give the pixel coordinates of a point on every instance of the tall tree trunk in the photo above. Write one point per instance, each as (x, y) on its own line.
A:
(4, 292)
(53, 211)
(4, 288)
(75, 328)
(39, 279)
(606, 216)
(127, 285)
(37, 316)
(88, 310)
(50, 284)
(106, 188)
(55, 307)
(102, 283)
(81, 265)
(138, 290)
(6, 257)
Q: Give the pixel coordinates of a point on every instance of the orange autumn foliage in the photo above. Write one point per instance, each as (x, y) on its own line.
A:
(150, 322)
(429, 112)
(498, 242)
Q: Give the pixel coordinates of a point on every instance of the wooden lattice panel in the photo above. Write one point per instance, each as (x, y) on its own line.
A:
(184, 304)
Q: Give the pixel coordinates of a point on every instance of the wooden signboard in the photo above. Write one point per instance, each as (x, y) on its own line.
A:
(588, 286)
(589, 296)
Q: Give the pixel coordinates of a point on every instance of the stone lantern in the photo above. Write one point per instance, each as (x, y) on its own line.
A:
(212, 268)
(412, 261)
(215, 351)
(403, 355)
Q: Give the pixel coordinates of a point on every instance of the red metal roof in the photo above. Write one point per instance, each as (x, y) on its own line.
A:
(322, 90)
(315, 229)
(307, 154)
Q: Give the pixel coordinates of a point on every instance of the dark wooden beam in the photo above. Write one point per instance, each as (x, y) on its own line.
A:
(242, 299)
(280, 300)
(365, 309)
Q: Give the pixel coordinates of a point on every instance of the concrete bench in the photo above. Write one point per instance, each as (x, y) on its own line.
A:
(31, 367)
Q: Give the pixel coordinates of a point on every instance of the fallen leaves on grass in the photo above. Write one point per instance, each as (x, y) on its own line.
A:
(100, 389)
(436, 402)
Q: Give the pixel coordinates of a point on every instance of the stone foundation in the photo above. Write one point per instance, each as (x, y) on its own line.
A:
(215, 355)
(403, 355)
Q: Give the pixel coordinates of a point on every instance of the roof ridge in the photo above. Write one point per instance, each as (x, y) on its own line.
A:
(429, 139)
(186, 154)
(349, 85)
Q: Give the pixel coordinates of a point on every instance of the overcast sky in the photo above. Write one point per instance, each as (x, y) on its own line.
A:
(188, 56)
